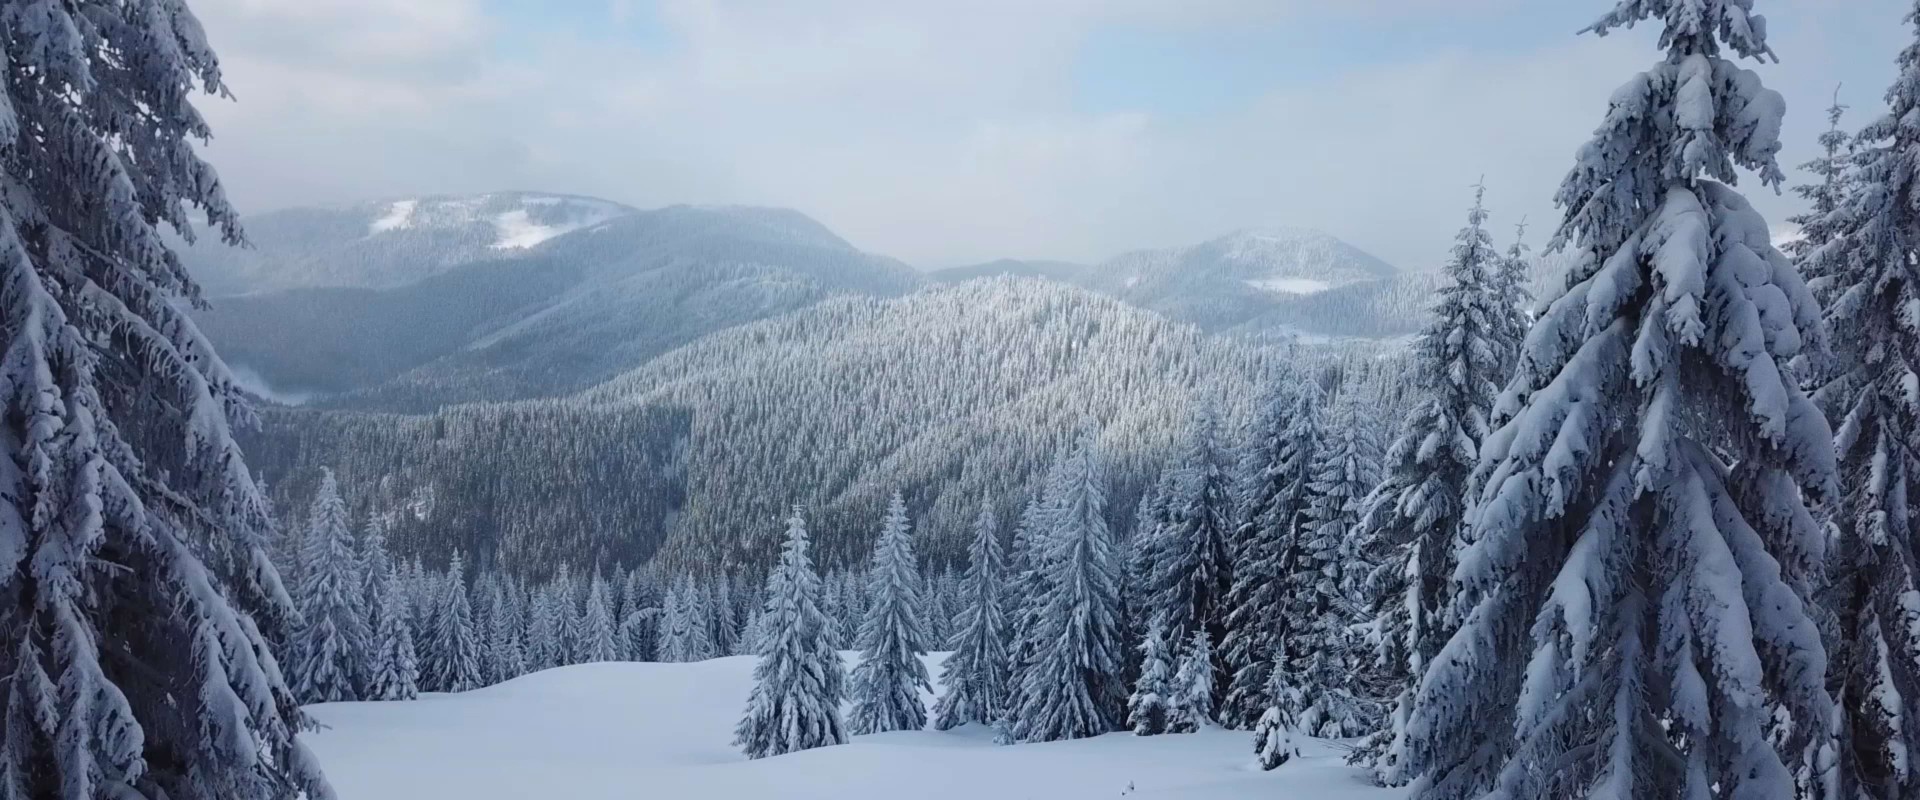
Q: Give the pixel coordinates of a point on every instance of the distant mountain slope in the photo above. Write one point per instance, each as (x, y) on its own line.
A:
(1262, 282)
(328, 341)
(957, 394)
(549, 318)
(389, 243)
(1238, 280)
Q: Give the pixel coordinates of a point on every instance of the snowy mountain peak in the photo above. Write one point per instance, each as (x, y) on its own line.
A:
(392, 242)
(1255, 278)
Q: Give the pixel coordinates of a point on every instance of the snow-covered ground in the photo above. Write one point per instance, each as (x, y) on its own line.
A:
(623, 730)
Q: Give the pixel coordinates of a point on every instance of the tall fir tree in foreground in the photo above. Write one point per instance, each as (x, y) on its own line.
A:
(798, 682)
(456, 665)
(1275, 581)
(1635, 608)
(134, 574)
(1074, 685)
(1418, 511)
(330, 651)
(978, 675)
(890, 676)
(395, 671)
(1186, 561)
(1874, 593)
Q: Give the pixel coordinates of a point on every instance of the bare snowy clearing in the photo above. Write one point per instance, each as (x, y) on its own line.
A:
(666, 730)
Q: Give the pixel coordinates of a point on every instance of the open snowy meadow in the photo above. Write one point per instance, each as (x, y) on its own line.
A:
(660, 730)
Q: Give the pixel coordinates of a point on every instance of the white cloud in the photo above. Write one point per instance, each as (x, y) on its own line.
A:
(940, 132)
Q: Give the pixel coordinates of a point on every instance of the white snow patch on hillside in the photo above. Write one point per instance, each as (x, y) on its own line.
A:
(399, 215)
(1290, 285)
(660, 731)
(518, 230)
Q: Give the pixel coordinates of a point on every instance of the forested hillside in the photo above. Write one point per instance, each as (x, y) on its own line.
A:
(954, 394)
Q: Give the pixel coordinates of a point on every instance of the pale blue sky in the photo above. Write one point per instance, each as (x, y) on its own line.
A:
(944, 131)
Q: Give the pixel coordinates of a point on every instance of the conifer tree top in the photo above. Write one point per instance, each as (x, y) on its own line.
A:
(1693, 115)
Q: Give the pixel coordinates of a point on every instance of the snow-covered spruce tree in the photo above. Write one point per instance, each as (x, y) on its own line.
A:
(375, 563)
(569, 616)
(853, 606)
(597, 638)
(1635, 608)
(937, 606)
(1513, 306)
(639, 617)
(543, 629)
(723, 619)
(684, 632)
(1276, 493)
(701, 613)
(1275, 734)
(1026, 579)
(754, 634)
(1149, 524)
(330, 651)
(1293, 555)
(456, 667)
(134, 575)
(505, 644)
(753, 601)
(1873, 589)
(1191, 702)
(674, 627)
(640, 630)
(478, 592)
(1074, 686)
(830, 605)
(978, 676)
(1348, 470)
(1832, 172)
(889, 678)
(1418, 510)
(396, 667)
(423, 593)
(1187, 565)
(1149, 711)
(797, 685)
